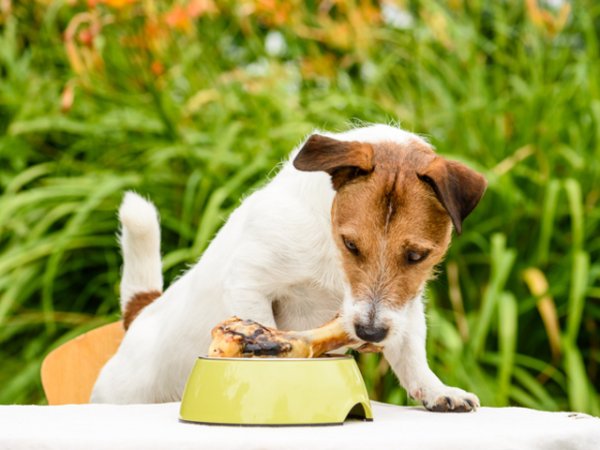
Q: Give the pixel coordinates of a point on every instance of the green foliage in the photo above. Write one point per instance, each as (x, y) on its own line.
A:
(192, 109)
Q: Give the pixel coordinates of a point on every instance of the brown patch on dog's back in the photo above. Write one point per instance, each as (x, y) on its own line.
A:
(135, 305)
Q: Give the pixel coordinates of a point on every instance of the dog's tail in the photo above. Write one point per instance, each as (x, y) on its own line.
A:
(141, 282)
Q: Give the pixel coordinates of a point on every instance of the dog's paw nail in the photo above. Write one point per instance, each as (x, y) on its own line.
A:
(449, 402)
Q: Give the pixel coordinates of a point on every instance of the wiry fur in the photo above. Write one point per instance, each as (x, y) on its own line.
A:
(276, 252)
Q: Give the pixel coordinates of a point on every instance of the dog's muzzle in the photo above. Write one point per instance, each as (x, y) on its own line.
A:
(371, 333)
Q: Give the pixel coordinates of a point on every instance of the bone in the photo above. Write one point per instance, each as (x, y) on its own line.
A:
(237, 338)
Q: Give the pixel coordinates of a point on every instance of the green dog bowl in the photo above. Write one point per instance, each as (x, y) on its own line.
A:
(275, 391)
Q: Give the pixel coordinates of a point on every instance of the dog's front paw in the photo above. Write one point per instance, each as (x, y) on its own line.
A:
(450, 399)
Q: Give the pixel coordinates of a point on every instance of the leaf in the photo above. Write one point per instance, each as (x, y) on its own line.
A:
(507, 326)
(538, 286)
(502, 260)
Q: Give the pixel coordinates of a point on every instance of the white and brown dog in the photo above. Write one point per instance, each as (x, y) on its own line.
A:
(354, 221)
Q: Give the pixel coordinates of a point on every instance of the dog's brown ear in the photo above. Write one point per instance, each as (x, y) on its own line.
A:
(342, 160)
(457, 187)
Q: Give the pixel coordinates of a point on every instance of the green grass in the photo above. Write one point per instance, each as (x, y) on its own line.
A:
(196, 117)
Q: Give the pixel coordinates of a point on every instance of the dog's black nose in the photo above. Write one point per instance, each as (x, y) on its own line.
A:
(371, 333)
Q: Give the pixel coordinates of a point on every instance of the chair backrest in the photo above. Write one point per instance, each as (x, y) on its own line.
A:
(70, 371)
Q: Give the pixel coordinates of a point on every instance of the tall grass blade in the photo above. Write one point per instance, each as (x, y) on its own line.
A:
(576, 303)
(577, 383)
(507, 326)
(538, 286)
(502, 260)
(547, 220)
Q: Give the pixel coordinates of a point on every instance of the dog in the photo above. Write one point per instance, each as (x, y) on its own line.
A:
(353, 222)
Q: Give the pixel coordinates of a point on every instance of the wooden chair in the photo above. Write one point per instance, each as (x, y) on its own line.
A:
(70, 371)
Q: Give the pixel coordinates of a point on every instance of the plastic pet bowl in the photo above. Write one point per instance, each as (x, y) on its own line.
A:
(275, 391)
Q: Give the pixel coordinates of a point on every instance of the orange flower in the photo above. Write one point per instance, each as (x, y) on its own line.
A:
(178, 18)
(157, 68)
(197, 8)
(86, 37)
(118, 4)
(272, 12)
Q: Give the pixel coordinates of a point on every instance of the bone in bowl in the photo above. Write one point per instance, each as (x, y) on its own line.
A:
(238, 385)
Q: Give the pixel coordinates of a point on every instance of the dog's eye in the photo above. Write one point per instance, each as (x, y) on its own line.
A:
(414, 257)
(351, 246)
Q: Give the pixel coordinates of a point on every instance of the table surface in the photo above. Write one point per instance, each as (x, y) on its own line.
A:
(157, 427)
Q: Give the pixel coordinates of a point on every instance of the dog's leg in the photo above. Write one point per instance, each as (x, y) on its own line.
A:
(250, 304)
(407, 357)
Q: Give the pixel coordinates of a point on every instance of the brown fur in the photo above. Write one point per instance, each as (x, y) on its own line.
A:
(398, 215)
(342, 160)
(457, 187)
(399, 205)
(135, 305)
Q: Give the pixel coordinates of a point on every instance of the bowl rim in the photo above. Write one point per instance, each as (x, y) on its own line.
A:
(272, 359)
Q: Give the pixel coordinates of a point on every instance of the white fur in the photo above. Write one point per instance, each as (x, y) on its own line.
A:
(276, 247)
(140, 243)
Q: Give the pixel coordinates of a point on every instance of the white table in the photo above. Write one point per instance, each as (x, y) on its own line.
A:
(157, 427)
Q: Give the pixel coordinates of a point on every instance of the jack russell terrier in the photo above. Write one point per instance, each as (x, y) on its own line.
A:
(354, 222)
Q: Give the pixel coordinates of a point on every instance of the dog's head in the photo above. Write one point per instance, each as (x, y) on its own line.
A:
(392, 217)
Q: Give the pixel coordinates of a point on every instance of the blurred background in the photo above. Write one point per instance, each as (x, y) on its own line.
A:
(194, 102)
